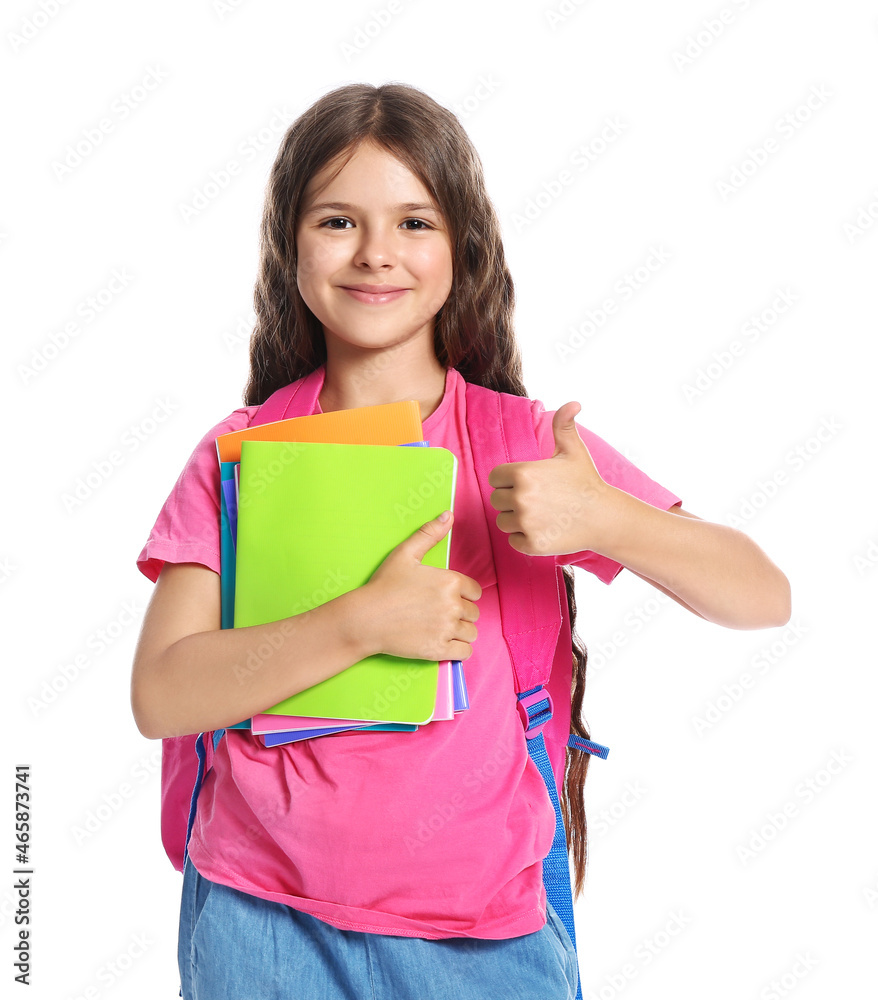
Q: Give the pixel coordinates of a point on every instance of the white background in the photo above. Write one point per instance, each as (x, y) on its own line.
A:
(672, 807)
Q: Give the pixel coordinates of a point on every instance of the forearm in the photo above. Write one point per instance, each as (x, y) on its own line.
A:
(716, 570)
(213, 679)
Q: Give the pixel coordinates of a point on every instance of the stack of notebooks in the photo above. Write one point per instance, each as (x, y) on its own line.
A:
(309, 508)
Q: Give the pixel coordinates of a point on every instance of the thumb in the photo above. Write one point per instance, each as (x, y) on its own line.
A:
(564, 429)
(419, 543)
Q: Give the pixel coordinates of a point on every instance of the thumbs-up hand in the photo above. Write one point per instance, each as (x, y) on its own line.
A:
(548, 507)
(418, 611)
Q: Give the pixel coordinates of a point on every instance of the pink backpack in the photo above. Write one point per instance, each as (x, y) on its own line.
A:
(533, 608)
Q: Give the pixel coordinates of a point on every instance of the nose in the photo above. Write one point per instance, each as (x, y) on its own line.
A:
(376, 247)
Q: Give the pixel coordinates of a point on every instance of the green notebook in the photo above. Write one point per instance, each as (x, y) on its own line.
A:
(316, 520)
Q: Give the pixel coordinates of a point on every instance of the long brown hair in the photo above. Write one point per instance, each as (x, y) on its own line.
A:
(473, 330)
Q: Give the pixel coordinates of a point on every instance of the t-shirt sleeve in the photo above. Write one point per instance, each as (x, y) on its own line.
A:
(614, 469)
(187, 528)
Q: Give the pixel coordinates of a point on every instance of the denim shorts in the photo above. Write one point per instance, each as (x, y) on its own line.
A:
(235, 946)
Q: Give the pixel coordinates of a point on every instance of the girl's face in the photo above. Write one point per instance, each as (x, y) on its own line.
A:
(373, 224)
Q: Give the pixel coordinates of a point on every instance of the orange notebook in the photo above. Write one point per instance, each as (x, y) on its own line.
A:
(387, 423)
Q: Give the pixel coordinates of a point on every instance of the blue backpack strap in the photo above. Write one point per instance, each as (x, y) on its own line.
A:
(199, 777)
(556, 871)
(535, 707)
(589, 746)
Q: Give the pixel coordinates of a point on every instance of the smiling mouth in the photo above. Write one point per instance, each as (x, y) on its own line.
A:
(375, 298)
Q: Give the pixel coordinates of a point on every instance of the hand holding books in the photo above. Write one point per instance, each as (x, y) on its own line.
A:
(423, 612)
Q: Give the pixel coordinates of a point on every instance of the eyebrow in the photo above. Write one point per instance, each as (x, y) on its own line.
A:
(343, 206)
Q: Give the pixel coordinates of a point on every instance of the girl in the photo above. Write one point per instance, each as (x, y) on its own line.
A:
(383, 278)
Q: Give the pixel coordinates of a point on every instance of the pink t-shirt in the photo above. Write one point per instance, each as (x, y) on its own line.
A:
(435, 834)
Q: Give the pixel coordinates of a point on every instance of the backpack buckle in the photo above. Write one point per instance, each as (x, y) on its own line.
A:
(535, 708)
